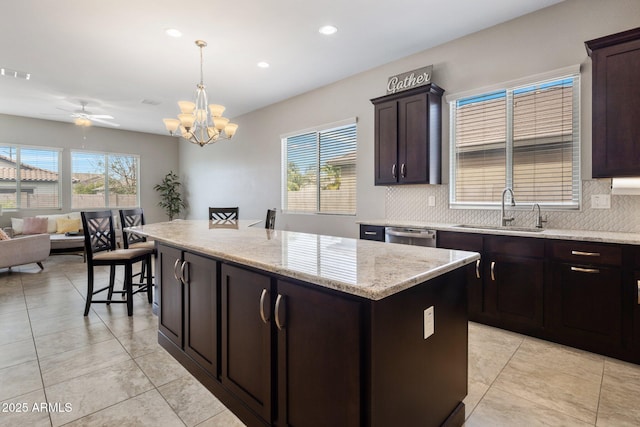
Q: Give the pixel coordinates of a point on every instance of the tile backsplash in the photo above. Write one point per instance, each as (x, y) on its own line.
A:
(410, 203)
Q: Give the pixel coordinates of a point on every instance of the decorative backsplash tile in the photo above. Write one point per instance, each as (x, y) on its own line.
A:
(410, 202)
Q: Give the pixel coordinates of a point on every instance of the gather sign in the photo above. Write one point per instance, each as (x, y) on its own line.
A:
(410, 79)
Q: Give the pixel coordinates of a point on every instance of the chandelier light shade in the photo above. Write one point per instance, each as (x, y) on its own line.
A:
(200, 122)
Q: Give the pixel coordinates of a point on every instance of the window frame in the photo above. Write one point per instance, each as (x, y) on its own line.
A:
(510, 88)
(18, 161)
(106, 156)
(350, 122)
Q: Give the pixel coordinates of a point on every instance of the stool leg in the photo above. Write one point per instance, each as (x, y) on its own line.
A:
(89, 290)
(112, 279)
(128, 271)
(149, 280)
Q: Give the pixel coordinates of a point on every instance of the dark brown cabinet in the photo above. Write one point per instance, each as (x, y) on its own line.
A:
(616, 109)
(188, 293)
(372, 232)
(408, 136)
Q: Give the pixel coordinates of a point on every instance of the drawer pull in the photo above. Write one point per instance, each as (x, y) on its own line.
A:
(493, 271)
(370, 233)
(580, 253)
(263, 298)
(478, 271)
(585, 270)
(638, 292)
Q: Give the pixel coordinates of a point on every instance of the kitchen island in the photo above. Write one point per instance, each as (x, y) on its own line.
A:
(290, 328)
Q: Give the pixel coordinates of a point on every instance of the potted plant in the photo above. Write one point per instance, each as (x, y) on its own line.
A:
(170, 197)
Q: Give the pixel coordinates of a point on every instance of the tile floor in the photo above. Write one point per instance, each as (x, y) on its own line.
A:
(108, 370)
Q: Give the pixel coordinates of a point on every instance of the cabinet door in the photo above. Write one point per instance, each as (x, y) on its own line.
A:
(318, 358)
(200, 311)
(372, 232)
(170, 293)
(634, 292)
(246, 337)
(514, 287)
(616, 128)
(587, 308)
(413, 141)
(386, 143)
(475, 288)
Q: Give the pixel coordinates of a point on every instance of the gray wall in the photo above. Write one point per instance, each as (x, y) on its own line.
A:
(246, 170)
(158, 155)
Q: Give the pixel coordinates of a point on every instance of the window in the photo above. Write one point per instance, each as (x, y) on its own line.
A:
(101, 180)
(29, 178)
(319, 170)
(525, 138)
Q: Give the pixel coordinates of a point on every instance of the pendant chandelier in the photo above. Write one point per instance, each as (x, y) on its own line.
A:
(200, 122)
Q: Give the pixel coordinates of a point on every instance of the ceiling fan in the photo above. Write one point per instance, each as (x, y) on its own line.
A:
(85, 118)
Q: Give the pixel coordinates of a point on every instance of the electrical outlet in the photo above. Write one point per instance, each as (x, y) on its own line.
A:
(431, 201)
(601, 201)
(429, 322)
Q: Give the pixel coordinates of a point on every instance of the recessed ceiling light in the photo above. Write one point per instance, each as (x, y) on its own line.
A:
(327, 30)
(263, 64)
(21, 75)
(173, 32)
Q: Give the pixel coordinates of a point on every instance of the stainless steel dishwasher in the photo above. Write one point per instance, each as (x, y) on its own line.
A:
(410, 236)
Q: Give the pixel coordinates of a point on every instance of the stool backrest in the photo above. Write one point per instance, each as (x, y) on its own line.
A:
(99, 234)
(270, 222)
(131, 218)
(225, 214)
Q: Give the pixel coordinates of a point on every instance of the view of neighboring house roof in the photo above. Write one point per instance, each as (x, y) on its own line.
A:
(8, 170)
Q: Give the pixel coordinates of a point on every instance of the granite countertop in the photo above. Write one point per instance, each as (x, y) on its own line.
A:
(367, 269)
(546, 233)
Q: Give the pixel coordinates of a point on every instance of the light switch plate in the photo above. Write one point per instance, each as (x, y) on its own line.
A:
(429, 322)
(601, 201)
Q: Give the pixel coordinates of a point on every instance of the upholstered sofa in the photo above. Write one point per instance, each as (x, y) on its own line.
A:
(24, 250)
(59, 239)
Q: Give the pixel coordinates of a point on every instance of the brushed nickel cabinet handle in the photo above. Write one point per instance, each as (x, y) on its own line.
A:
(493, 271)
(263, 297)
(279, 305)
(585, 270)
(585, 253)
(394, 170)
(175, 269)
(182, 278)
(403, 170)
(477, 269)
(370, 233)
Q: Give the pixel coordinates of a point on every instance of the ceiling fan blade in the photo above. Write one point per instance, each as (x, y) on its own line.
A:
(99, 116)
(93, 119)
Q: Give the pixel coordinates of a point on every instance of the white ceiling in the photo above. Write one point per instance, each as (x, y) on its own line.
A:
(115, 53)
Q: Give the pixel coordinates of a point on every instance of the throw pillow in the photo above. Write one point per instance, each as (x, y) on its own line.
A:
(17, 224)
(3, 235)
(33, 225)
(65, 225)
(52, 221)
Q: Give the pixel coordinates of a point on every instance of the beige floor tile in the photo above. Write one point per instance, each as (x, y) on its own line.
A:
(69, 306)
(12, 304)
(161, 367)
(19, 379)
(17, 353)
(141, 342)
(61, 322)
(191, 400)
(572, 395)
(141, 320)
(71, 339)
(14, 327)
(51, 298)
(148, 409)
(619, 398)
(25, 410)
(475, 391)
(97, 390)
(503, 409)
(64, 366)
(224, 419)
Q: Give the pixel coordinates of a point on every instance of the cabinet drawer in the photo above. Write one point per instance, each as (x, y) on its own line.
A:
(460, 241)
(587, 253)
(372, 232)
(515, 246)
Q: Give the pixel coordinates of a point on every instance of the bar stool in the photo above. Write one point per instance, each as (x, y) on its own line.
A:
(100, 248)
(133, 218)
(224, 214)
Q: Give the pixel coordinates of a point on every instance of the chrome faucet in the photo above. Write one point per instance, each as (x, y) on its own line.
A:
(539, 219)
(507, 220)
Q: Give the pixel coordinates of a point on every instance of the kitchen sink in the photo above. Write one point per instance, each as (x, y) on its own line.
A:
(501, 228)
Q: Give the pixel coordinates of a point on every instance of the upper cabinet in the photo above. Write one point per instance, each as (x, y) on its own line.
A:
(616, 104)
(408, 136)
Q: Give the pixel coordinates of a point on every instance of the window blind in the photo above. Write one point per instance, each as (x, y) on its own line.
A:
(321, 171)
(526, 138)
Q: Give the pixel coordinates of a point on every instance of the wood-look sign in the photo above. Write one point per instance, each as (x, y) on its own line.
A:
(410, 79)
